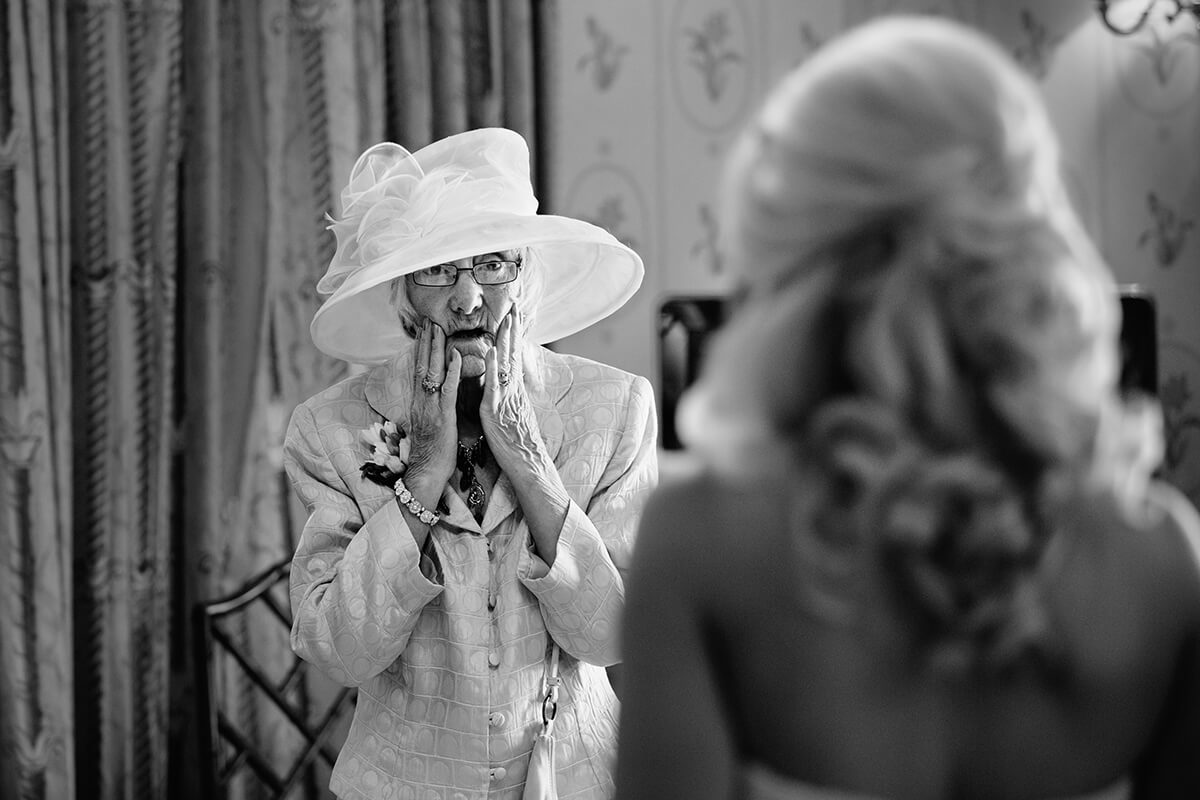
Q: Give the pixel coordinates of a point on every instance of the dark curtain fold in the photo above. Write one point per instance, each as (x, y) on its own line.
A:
(123, 134)
(409, 98)
(543, 95)
(37, 739)
(517, 67)
(448, 70)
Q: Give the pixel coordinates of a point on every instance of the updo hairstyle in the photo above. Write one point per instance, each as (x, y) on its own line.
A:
(925, 329)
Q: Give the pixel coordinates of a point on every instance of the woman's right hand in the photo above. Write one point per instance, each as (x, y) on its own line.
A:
(433, 425)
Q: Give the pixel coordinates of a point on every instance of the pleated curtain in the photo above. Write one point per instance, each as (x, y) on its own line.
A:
(166, 168)
(36, 425)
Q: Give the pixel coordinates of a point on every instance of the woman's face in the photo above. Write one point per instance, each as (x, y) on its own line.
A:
(469, 312)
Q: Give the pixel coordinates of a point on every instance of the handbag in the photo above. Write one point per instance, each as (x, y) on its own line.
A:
(540, 783)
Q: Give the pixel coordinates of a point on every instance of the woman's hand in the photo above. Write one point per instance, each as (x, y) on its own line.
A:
(516, 441)
(508, 421)
(434, 427)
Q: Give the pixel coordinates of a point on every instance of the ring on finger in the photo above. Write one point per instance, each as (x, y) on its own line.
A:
(430, 387)
(504, 377)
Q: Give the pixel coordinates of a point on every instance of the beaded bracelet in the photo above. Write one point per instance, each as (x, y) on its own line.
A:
(414, 505)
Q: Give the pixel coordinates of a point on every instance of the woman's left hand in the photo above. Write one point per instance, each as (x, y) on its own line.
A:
(508, 420)
(516, 442)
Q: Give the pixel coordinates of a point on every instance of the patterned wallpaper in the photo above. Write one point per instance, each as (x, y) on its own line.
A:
(651, 95)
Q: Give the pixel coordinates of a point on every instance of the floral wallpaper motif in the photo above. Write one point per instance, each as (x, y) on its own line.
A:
(709, 59)
(604, 59)
(711, 52)
(610, 215)
(705, 249)
(1036, 51)
(810, 41)
(1158, 68)
(1168, 232)
(1181, 417)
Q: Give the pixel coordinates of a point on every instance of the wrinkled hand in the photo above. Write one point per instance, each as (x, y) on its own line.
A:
(508, 419)
(432, 421)
(516, 441)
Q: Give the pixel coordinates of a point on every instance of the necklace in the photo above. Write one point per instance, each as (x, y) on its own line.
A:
(468, 458)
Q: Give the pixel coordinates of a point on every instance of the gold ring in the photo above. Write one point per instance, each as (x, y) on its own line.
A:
(430, 387)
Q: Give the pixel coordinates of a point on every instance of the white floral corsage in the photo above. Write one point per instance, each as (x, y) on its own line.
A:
(389, 453)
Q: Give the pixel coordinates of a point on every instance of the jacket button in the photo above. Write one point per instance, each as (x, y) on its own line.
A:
(494, 658)
(498, 773)
(496, 719)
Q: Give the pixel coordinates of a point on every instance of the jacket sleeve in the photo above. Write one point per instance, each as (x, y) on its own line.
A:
(582, 596)
(357, 588)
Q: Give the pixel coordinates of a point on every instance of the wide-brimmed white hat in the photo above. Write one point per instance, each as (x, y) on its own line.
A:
(465, 195)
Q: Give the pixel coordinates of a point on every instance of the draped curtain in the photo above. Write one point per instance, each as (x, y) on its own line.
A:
(166, 169)
(36, 732)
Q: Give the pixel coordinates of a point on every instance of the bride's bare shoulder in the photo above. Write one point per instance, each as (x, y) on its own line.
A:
(1175, 525)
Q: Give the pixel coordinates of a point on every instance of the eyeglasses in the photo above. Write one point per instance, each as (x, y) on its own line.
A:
(485, 273)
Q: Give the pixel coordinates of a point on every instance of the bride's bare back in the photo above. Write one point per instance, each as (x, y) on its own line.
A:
(732, 663)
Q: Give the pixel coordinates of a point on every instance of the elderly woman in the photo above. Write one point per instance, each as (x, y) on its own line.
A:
(472, 496)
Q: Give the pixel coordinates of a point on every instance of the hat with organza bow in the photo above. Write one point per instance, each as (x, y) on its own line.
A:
(466, 195)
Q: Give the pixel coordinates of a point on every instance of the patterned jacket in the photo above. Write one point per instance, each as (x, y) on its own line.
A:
(448, 650)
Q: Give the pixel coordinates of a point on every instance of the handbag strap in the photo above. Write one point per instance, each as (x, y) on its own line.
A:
(550, 688)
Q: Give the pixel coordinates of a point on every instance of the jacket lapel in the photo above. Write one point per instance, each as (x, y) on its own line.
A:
(389, 387)
(546, 394)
